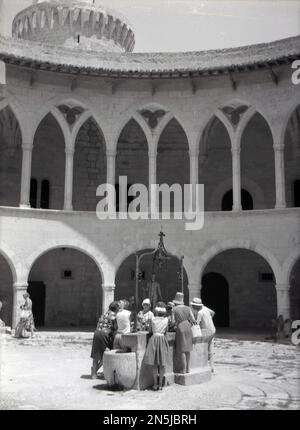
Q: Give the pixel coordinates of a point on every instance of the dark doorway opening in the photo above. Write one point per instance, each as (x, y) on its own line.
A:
(33, 192)
(215, 295)
(37, 291)
(246, 200)
(118, 197)
(45, 194)
(297, 193)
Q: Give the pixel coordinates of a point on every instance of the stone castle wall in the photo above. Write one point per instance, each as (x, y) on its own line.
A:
(110, 243)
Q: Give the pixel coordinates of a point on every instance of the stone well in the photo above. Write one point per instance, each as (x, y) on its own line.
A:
(128, 370)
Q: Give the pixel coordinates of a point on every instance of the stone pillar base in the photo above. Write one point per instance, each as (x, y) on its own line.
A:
(196, 376)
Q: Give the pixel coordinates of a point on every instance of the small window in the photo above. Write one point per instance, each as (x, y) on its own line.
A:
(118, 198)
(266, 277)
(142, 275)
(67, 274)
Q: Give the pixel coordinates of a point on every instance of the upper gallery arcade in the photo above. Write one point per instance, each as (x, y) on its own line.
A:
(78, 108)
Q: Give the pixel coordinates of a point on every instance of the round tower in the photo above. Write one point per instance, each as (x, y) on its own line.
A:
(75, 23)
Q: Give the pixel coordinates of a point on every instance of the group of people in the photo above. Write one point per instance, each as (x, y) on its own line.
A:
(163, 318)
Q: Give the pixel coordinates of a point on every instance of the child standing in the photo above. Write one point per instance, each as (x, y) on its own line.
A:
(158, 347)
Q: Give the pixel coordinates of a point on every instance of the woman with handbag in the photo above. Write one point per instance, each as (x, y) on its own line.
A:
(26, 323)
(29, 320)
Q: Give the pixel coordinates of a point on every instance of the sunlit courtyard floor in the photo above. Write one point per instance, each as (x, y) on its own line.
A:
(52, 371)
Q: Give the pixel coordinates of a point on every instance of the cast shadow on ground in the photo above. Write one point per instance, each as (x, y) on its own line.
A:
(99, 376)
(111, 389)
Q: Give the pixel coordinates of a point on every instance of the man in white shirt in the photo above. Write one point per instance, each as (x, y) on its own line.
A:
(205, 321)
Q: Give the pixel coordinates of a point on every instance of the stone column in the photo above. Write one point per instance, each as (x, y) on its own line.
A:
(68, 202)
(108, 296)
(193, 177)
(111, 167)
(18, 300)
(236, 179)
(279, 175)
(152, 180)
(283, 300)
(26, 175)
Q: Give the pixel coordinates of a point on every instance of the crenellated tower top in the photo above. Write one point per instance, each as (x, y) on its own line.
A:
(74, 23)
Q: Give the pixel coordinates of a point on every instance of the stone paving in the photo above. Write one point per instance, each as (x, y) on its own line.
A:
(52, 371)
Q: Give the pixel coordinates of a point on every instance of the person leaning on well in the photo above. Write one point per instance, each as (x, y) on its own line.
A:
(103, 337)
(123, 323)
(205, 321)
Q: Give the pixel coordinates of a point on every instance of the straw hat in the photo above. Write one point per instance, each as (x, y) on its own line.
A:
(196, 302)
(179, 299)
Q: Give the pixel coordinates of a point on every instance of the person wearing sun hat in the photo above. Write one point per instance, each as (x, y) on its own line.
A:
(169, 308)
(184, 337)
(145, 316)
(205, 321)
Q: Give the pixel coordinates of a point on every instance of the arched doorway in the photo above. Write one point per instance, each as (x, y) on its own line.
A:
(89, 166)
(167, 276)
(214, 153)
(10, 158)
(6, 292)
(291, 160)
(66, 289)
(251, 286)
(215, 295)
(297, 193)
(257, 157)
(246, 200)
(173, 162)
(48, 165)
(295, 291)
(132, 158)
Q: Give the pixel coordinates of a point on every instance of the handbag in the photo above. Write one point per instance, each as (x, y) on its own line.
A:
(196, 330)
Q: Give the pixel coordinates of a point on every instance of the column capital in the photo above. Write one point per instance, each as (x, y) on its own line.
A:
(283, 287)
(27, 146)
(236, 150)
(278, 147)
(111, 154)
(152, 154)
(194, 153)
(20, 286)
(108, 287)
(69, 151)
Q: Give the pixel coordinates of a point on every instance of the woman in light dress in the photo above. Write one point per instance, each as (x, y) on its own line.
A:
(26, 323)
(145, 316)
(158, 348)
